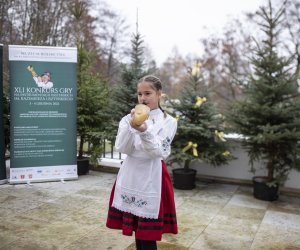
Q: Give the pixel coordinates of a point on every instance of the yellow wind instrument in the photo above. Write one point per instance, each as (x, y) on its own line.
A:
(32, 71)
(141, 114)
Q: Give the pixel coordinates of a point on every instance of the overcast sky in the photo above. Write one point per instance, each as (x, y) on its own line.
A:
(181, 23)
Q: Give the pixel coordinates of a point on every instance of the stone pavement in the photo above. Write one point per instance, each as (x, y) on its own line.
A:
(71, 216)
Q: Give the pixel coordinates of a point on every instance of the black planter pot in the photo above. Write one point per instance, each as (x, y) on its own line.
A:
(83, 166)
(262, 191)
(184, 179)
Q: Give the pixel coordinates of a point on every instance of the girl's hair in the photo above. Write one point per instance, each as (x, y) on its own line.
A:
(156, 83)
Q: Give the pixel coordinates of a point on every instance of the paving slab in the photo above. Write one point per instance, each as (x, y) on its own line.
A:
(72, 215)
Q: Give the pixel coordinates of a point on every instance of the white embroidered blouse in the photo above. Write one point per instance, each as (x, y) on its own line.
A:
(138, 185)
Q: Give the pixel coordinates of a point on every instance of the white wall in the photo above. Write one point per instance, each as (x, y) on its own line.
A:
(239, 169)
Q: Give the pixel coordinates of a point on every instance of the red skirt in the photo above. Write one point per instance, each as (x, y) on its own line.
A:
(147, 229)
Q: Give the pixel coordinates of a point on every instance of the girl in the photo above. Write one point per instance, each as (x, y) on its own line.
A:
(142, 198)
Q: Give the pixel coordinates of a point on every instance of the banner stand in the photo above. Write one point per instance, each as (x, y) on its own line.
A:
(43, 127)
(3, 178)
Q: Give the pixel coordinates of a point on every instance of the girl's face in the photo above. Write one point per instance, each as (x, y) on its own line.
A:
(45, 78)
(148, 95)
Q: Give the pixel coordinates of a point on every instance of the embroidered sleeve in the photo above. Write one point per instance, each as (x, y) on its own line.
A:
(125, 137)
(160, 145)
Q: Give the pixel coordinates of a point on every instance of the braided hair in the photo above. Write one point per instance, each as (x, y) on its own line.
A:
(156, 84)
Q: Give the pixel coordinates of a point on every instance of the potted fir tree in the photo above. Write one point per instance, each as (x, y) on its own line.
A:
(268, 117)
(200, 132)
(92, 95)
(124, 96)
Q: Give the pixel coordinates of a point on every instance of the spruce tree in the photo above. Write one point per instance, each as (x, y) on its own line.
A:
(124, 94)
(200, 132)
(92, 98)
(269, 116)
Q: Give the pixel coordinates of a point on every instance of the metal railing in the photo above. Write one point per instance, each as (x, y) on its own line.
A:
(108, 151)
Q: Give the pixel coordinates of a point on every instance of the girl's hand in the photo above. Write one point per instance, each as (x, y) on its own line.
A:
(141, 128)
(132, 112)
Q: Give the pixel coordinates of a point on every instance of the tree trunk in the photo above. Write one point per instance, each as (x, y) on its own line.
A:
(186, 165)
(270, 170)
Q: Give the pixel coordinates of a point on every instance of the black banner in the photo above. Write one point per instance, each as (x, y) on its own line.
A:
(2, 150)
